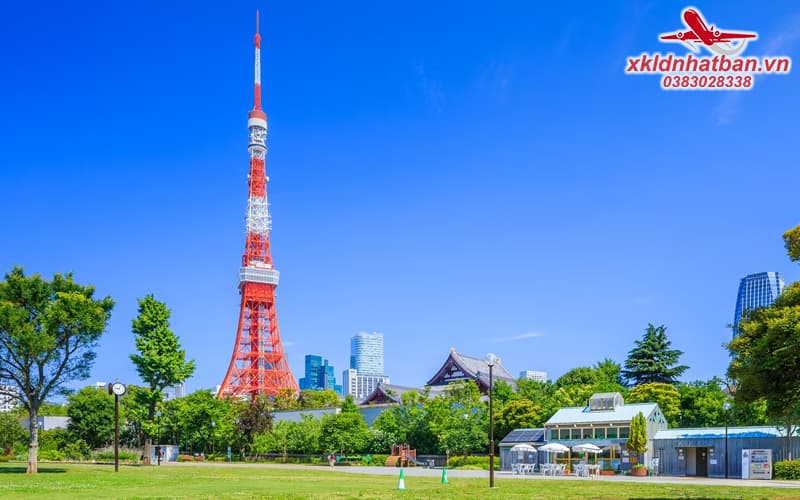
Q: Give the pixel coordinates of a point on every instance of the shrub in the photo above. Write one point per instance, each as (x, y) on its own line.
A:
(128, 456)
(51, 455)
(787, 469)
(6, 458)
(379, 459)
(77, 450)
(479, 463)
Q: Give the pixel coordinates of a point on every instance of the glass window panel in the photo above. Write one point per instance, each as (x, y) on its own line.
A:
(624, 432)
(599, 433)
(576, 433)
(611, 433)
(587, 433)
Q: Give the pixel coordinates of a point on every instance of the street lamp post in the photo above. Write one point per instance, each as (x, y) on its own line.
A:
(726, 407)
(491, 359)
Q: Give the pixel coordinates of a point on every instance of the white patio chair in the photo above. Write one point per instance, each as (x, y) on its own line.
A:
(654, 466)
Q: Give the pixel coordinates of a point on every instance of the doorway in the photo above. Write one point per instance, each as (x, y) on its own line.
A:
(701, 462)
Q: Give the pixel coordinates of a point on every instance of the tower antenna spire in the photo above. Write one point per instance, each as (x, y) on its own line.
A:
(257, 80)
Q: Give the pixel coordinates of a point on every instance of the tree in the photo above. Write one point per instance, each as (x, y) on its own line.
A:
(313, 399)
(609, 376)
(519, 414)
(791, 239)
(637, 440)
(161, 362)
(345, 433)
(255, 417)
(766, 358)
(91, 416)
(666, 395)
(458, 419)
(200, 422)
(652, 360)
(701, 404)
(48, 332)
(11, 432)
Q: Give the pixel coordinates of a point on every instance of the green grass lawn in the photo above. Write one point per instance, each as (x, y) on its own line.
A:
(96, 481)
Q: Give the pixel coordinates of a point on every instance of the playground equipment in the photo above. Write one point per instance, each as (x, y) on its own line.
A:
(403, 456)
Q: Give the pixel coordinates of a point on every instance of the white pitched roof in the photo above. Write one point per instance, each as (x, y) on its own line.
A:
(582, 415)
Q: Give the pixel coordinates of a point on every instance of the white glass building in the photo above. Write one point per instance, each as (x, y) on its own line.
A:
(366, 353)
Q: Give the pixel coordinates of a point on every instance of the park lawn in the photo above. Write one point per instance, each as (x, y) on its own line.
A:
(206, 481)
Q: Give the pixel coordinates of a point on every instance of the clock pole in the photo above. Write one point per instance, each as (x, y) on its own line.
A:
(116, 433)
(117, 390)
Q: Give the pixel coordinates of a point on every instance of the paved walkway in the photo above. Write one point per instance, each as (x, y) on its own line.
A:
(500, 475)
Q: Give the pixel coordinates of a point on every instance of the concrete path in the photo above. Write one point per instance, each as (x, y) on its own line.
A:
(499, 476)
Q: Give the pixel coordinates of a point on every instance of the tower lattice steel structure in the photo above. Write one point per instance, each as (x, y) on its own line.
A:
(258, 364)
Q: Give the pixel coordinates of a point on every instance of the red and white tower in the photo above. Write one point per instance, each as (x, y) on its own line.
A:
(258, 365)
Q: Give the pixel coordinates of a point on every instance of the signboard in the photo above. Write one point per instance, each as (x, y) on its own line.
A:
(756, 464)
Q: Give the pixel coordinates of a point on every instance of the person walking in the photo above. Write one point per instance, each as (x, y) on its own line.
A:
(332, 459)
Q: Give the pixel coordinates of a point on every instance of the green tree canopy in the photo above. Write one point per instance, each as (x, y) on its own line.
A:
(652, 360)
(766, 358)
(313, 399)
(160, 361)
(518, 414)
(666, 395)
(91, 416)
(344, 433)
(48, 333)
(791, 239)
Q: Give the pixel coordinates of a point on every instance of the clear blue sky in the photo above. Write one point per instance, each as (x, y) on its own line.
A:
(453, 174)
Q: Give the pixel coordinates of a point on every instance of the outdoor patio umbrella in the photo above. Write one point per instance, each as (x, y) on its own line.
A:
(554, 448)
(523, 448)
(588, 448)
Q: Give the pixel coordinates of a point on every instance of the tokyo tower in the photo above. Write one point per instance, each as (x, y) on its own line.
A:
(258, 364)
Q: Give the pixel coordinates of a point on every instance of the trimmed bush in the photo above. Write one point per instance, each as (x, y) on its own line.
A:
(474, 463)
(6, 458)
(787, 469)
(378, 459)
(127, 456)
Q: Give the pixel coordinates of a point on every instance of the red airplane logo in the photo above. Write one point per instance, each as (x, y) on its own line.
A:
(714, 39)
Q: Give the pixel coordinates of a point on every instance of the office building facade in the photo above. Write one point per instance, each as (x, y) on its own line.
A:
(8, 400)
(360, 386)
(533, 375)
(755, 291)
(319, 375)
(366, 353)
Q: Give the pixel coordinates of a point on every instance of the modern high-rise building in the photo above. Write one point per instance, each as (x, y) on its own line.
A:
(533, 375)
(360, 386)
(366, 353)
(755, 291)
(319, 375)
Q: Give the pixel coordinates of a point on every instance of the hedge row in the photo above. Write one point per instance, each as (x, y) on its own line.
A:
(787, 469)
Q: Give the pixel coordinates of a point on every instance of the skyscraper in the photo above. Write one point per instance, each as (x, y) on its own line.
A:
(756, 290)
(366, 365)
(319, 375)
(366, 353)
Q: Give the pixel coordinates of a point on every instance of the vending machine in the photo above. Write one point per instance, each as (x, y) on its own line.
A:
(756, 464)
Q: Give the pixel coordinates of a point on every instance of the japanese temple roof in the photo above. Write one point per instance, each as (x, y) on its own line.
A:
(471, 369)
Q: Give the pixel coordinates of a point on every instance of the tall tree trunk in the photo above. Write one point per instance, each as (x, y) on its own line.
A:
(33, 444)
(789, 436)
